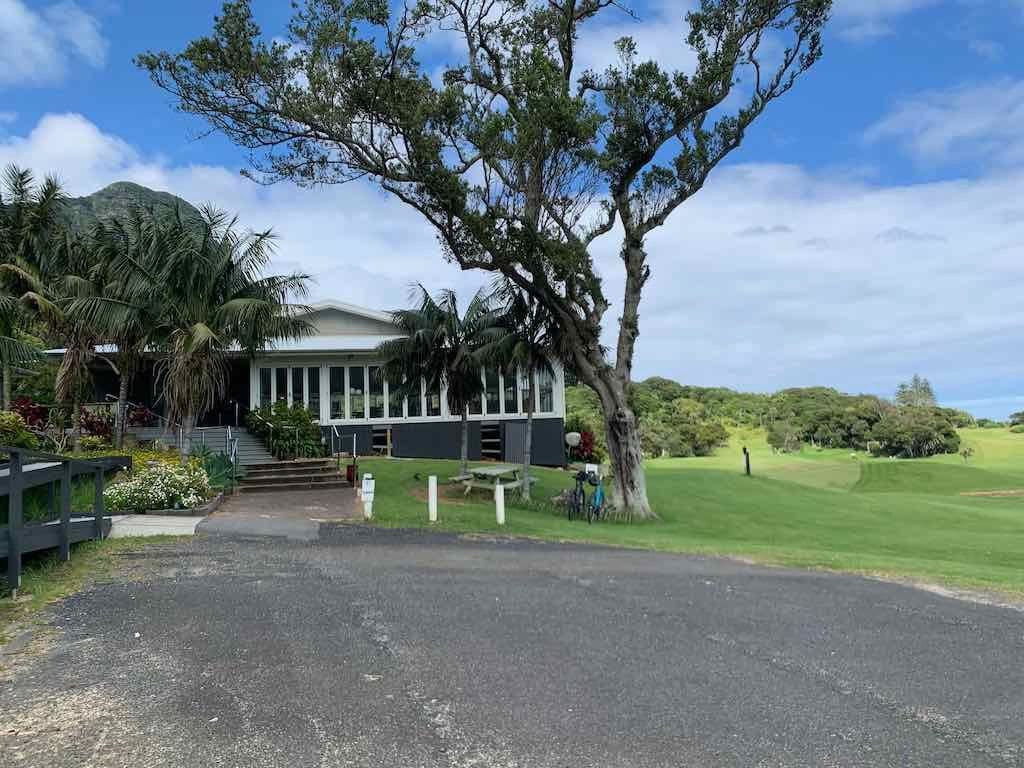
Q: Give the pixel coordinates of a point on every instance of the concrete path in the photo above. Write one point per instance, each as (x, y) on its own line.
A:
(293, 515)
(152, 525)
(416, 650)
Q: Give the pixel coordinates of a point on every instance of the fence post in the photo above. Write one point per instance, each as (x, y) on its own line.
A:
(97, 503)
(65, 512)
(499, 503)
(432, 498)
(14, 523)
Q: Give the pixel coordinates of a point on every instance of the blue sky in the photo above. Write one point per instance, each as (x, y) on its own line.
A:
(870, 227)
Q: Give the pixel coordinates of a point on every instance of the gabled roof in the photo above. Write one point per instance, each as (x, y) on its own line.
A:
(352, 309)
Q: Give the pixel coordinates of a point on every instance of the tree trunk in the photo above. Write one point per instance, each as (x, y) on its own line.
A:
(629, 485)
(8, 376)
(528, 447)
(185, 437)
(76, 424)
(122, 407)
(464, 470)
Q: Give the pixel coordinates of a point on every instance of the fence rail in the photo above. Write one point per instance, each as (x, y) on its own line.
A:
(30, 469)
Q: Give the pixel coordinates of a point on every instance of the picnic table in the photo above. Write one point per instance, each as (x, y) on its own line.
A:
(491, 476)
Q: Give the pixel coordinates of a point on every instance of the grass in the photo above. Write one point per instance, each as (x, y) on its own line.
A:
(818, 509)
(46, 579)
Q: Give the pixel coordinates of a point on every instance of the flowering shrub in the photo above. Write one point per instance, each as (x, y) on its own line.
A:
(159, 486)
(14, 432)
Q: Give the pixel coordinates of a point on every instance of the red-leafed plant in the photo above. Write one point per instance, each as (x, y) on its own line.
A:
(34, 414)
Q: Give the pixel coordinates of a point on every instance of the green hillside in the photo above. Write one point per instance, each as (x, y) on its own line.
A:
(116, 200)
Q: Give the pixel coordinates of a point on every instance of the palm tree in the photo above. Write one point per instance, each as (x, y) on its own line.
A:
(197, 285)
(29, 221)
(442, 346)
(527, 348)
(46, 287)
(122, 249)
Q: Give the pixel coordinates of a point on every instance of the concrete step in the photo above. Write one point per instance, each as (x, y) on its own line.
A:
(293, 463)
(286, 471)
(293, 485)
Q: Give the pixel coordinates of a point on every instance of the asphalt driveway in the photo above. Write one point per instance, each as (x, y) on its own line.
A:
(383, 648)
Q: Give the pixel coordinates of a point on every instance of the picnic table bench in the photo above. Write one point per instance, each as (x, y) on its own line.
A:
(491, 476)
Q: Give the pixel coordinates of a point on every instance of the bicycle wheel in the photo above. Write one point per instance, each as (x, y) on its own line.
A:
(579, 503)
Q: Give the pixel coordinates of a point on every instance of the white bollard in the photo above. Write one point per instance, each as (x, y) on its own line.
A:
(499, 503)
(368, 489)
(432, 498)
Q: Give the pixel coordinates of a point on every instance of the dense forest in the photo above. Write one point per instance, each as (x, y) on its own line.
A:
(681, 420)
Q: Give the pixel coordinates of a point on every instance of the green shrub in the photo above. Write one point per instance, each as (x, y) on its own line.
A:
(289, 432)
(14, 432)
(95, 443)
(1018, 429)
(159, 486)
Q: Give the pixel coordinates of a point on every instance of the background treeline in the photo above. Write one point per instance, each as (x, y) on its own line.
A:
(681, 420)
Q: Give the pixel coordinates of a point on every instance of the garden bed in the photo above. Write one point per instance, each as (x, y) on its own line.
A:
(208, 508)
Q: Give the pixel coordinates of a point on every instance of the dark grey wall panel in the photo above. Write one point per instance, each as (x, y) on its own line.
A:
(434, 440)
(363, 433)
(548, 442)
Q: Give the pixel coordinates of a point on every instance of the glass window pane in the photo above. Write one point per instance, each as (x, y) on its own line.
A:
(313, 376)
(476, 405)
(356, 392)
(281, 380)
(394, 402)
(511, 401)
(434, 401)
(265, 397)
(416, 404)
(337, 392)
(376, 393)
(546, 392)
(298, 396)
(492, 392)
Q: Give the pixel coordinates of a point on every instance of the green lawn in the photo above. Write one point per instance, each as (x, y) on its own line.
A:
(817, 509)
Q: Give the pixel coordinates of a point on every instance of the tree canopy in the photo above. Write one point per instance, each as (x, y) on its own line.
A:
(520, 160)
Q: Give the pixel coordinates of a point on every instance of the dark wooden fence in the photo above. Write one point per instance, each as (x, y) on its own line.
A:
(30, 469)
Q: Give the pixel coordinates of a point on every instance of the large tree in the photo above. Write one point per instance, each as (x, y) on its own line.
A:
(519, 160)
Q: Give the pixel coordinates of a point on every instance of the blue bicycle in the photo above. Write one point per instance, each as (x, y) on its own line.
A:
(580, 505)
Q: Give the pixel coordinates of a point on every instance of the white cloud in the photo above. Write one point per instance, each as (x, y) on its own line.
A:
(852, 284)
(869, 19)
(38, 45)
(981, 121)
(659, 30)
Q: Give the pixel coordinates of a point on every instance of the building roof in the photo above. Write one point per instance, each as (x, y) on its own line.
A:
(352, 309)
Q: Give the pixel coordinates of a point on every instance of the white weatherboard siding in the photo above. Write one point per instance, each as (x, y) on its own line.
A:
(346, 339)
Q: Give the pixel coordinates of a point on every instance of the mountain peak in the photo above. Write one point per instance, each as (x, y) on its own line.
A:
(117, 200)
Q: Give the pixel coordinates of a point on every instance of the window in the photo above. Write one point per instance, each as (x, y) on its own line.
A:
(376, 392)
(265, 378)
(476, 403)
(511, 398)
(356, 393)
(313, 375)
(281, 380)
(545, 392)
(298, 397)
(337, 384)
(415, 403)
(492, 391)
(434, 401)
(394, 402)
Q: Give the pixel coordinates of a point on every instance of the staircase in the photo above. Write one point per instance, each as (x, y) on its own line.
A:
(299, 475)
(250, 448)
(490, 442)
